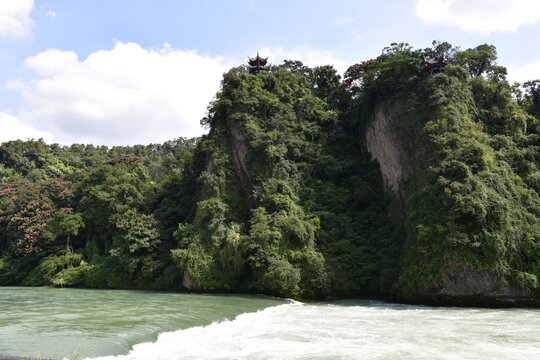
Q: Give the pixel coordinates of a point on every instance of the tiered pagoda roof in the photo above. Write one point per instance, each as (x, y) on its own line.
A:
(257, 64)
(433, 66)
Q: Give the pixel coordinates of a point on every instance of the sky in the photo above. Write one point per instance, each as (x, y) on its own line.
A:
(125, 72)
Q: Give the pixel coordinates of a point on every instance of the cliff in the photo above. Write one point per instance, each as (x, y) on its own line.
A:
(395, 182)
(469, 215)
(457, 278)
(386, 140)
(409, 188)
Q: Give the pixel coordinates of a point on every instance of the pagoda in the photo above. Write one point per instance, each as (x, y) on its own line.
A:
(257, 64)
(433, 65)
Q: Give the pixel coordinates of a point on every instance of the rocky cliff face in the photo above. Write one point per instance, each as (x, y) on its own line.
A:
(460, 281)
(462, 285)
(388, 145)
(240, 156)
(388, 139)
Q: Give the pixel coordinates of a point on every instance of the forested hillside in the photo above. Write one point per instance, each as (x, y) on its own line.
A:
(415, 177)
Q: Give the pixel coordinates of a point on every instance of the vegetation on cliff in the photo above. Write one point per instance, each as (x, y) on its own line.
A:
(472, 225)
(281, 196)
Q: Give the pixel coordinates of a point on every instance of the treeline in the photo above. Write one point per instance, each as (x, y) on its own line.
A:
(35, 160)
(281, 196)
(85, 215)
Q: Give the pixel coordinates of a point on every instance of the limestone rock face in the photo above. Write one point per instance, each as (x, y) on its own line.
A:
(187, 282)
(460, 281)
(386, 142)
(390, 142)
(240, 156)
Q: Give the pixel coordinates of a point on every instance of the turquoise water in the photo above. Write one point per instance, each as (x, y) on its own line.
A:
(133, 325)
(56, 323)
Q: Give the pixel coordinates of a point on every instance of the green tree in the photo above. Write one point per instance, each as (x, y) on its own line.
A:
(531, 99)
(62, 227)
(136, 244)
(109, 190)
(480, 61)
(326, 83)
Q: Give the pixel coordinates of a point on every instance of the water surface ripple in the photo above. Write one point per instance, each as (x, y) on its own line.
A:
(56, 323)
(105, 322)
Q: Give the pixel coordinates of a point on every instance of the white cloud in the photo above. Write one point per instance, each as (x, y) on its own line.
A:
(309, 56)
(126, 95)
(130, 95)
(479, 16)
(11, 128)
(15, 17)
(524, 73)
(51, 14)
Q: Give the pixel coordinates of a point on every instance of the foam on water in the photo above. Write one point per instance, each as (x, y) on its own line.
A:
(354, 330)
(56, 323)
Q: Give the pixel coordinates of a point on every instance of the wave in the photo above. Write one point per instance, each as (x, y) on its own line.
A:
(344, 331)
(227, 339)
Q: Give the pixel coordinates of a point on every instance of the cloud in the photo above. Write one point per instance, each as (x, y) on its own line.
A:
(524, 73)
(11, 128)
(309, 56)
(479, 16)
(51, 14)
(15, 17)
(126, 95)
(131, 95)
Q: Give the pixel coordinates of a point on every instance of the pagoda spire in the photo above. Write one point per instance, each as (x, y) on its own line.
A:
(257, 64)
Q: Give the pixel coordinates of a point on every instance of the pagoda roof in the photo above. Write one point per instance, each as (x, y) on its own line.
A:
(257, 60)
(257, 64)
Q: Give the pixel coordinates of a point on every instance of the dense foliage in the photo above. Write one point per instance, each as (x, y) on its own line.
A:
(281, 196)
(473, 204)
(85, 215)
(307, 215)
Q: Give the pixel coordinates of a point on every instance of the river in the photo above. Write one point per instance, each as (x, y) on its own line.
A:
(136, 325)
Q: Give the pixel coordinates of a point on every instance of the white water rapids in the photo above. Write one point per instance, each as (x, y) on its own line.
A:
(354, 330)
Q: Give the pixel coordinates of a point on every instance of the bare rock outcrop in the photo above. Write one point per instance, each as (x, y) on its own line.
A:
(387, 144)
(240, 156)
(461, 284)
(459, 280)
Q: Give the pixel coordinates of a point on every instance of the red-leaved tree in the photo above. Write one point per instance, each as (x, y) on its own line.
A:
(25, 208)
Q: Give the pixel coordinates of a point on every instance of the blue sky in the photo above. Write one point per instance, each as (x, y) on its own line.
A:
(119, 72)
